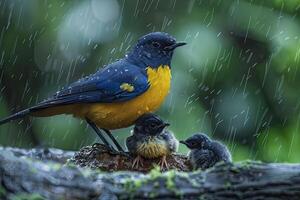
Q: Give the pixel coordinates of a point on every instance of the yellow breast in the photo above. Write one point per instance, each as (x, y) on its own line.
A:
(153, 149)
(124, 114)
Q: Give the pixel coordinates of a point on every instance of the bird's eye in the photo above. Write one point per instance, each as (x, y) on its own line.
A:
(155, 44)
(193, 144)
(152, 125)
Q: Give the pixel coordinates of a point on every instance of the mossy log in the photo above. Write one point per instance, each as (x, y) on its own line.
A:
(52, 174)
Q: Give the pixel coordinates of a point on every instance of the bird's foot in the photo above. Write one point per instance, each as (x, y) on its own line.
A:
(138, 162)
(163, 163)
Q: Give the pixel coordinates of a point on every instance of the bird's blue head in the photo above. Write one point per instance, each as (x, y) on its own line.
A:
(154, 49)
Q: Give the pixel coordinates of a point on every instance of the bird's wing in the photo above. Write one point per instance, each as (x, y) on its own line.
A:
(204, 157)
(131, 144)
(117, 82)
(221, 151)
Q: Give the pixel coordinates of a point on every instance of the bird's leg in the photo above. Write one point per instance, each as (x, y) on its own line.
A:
(119, 147)
(137, 162)
(100, 134)
(113, 139)
(163, 163)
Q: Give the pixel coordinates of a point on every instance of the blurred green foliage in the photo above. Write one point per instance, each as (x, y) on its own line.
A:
(237, 80)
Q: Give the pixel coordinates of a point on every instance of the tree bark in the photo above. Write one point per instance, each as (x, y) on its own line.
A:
(46, 174)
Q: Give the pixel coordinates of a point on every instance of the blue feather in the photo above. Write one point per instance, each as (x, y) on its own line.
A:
(102, 87)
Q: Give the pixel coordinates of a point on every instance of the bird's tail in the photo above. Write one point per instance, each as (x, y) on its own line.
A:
(15, 116)
(40, 110)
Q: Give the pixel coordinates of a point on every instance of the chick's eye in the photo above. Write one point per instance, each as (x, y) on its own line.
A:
(193, 143)
(152, 125)
(155, 44)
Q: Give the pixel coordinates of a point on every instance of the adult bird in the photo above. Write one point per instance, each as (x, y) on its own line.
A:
(116, 95)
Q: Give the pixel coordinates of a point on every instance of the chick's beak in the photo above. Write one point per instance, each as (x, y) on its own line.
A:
(183, 142)
(166, 124)
(174, 46)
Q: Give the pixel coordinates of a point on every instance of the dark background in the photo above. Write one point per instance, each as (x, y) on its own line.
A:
(237, 80)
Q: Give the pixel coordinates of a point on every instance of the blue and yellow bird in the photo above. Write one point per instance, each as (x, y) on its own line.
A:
(116, 95)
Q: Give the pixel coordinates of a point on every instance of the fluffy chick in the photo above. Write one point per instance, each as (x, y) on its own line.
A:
(151, 140)
(205, 152)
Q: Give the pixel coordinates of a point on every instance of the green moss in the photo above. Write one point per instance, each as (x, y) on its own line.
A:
(227, 185)
(52, 165)
(170, 180)
(86, 172)
(235, 169)
(33, 169)
(2, 191)
(194, 183)
(155, 173)
(244, 164)
(132, 185)
(202, 197)
(153, 195)
(55, 166)
(156, 184)
(138, 183)
(24, 196)
(247, 164)
(183, 174)
(70, 164)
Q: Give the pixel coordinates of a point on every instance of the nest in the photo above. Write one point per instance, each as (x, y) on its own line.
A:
(98, 157)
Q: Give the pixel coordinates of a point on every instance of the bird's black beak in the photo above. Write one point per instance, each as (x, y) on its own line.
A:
(164, 125)
(183, 142)
(174, 46)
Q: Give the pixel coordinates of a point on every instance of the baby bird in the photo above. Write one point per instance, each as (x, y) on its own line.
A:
(150, 140)
(205, 152)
